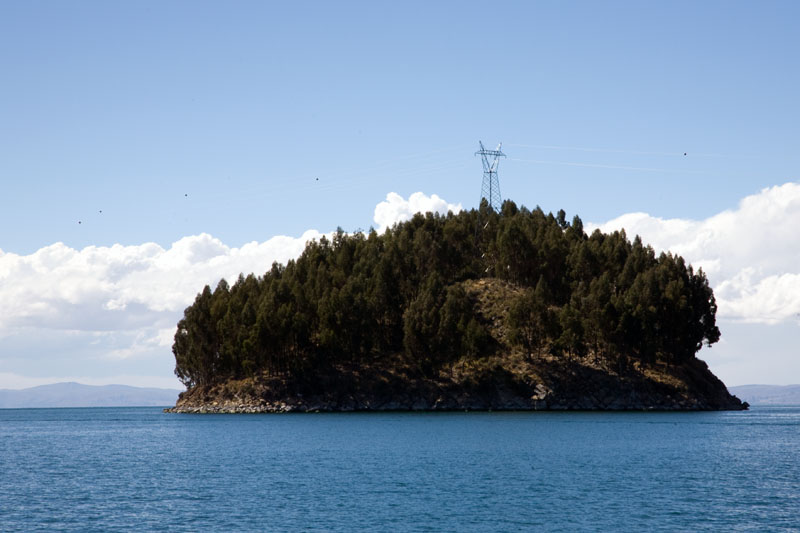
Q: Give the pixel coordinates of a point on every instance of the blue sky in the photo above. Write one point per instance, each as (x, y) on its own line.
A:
(247, 120)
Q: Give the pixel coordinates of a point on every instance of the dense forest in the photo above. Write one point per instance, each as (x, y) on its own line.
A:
(360, 299)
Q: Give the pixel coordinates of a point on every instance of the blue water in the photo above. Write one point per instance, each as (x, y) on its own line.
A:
(140, 469)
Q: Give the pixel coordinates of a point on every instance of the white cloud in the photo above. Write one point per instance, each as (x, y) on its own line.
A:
(145, 340)
(396, 209)
(751, 254)
(124, 287)
(103, 310)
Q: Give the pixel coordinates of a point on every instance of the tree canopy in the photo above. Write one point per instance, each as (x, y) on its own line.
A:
(358, 298)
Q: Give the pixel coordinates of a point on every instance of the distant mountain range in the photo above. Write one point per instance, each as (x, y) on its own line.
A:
(78, 395)
(768, 394)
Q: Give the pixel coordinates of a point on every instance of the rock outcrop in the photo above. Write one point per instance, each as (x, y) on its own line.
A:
(538, 385)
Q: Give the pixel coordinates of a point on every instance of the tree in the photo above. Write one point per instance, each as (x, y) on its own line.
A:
(421, 325)
(531, 321)
(460, 332)
(196, 346)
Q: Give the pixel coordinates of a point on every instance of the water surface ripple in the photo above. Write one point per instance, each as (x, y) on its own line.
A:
(140, 469)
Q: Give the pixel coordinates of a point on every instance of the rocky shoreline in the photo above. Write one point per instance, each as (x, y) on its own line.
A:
(283, 407)
(542, 399)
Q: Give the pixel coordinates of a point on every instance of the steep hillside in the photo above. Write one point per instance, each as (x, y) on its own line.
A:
(504, 376)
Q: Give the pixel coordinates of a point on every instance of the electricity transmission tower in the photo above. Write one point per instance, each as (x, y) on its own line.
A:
(491, 183)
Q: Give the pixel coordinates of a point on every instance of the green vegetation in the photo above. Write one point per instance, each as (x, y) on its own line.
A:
(399, 298)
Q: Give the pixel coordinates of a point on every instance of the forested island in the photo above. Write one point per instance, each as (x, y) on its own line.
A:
(515, 309)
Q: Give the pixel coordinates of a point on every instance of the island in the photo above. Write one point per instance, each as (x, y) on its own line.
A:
(482, 310)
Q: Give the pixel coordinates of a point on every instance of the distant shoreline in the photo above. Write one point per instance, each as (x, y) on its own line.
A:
(77, 395)
(768, 394)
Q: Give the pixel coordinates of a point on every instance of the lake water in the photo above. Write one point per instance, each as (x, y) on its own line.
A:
(140, 469)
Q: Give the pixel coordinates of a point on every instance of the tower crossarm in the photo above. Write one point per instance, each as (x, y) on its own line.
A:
(493, 153)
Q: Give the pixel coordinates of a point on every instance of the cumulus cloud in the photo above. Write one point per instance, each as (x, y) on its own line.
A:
(397, 209)
(751, 254)
(125, 287)
(121, 303)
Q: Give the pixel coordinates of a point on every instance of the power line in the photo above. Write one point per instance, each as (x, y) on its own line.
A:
(598, 165)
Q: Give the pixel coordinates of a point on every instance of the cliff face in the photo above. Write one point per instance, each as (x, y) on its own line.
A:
(504, 378)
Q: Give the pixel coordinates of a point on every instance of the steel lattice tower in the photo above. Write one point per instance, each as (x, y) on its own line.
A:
(491, 183)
